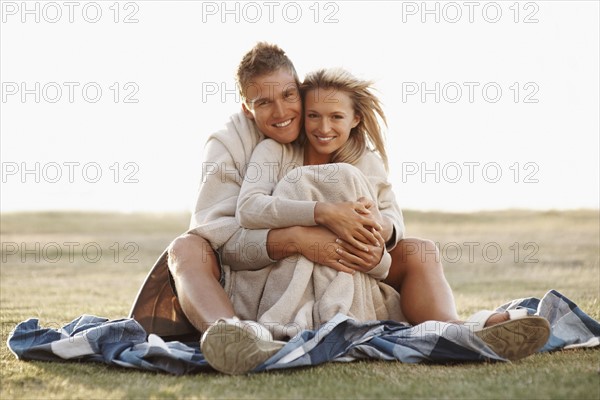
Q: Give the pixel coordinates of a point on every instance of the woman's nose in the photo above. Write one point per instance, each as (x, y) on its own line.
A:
(324, 125)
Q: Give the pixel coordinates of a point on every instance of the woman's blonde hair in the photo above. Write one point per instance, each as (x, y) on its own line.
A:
(368, 133)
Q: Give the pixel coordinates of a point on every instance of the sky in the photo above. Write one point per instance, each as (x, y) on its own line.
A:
(490, 105)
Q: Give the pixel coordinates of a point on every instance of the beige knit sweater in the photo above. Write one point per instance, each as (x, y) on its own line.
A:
(271, 161)
(226, 154)
(295, 294)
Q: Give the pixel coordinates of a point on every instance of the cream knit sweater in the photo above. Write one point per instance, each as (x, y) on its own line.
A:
(227, 153)
(294, 293)
(271, 161)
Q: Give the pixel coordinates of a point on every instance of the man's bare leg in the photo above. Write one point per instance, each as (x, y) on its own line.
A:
(196, 273)
(418, 275)
(231, 346)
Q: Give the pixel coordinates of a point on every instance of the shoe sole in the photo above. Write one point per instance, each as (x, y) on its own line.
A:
(517, 339)
(233, 349)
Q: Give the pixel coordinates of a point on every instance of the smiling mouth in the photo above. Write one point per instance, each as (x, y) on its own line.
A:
(284, 123)
(323, 139)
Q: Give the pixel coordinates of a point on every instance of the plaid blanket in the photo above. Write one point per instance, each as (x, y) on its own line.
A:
(125, 343)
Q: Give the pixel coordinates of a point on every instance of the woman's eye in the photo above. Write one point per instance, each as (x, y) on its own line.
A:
(312, 115)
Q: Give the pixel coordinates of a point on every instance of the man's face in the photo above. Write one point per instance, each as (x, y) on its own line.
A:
(274, 103)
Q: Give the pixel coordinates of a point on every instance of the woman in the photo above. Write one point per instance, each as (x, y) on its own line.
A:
(336, 166)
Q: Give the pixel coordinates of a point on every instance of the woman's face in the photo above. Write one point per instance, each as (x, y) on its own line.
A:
(328, 118)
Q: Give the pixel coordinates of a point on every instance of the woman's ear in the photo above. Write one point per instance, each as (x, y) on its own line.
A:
(356, 120)
(247, 112)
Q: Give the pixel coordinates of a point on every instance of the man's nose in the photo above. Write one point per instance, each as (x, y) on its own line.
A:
(279, 110)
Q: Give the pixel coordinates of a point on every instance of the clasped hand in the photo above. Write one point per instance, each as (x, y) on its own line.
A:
(353, 240)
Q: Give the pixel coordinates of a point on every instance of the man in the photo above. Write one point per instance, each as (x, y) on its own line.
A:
(184, 292)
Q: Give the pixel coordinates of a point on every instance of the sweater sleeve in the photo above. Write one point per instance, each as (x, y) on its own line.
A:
(380, 272)
(214, 214)
(372, 167)
(246, 250)
(256, 207)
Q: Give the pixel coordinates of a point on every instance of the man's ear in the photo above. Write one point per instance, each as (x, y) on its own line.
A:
(247, 112)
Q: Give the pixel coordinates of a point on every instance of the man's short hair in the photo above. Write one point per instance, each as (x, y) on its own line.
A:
(264, 58)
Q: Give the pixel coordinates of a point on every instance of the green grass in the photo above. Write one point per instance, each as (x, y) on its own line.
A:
(557, 250)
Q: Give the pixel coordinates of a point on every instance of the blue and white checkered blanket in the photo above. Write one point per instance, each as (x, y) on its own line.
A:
(125, 343)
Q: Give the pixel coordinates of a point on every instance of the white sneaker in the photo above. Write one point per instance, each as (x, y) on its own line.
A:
(518, 337)
(237, 347)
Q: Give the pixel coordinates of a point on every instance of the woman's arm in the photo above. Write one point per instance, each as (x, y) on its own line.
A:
(289, 219)
(256, 207)
(385, 210)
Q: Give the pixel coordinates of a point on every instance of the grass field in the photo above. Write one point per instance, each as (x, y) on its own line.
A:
(57, 266)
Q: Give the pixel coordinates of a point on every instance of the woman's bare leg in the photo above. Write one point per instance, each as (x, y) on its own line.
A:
(196, 273)
(418, 275)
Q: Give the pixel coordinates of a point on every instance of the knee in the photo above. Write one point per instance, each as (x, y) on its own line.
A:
(425, 245)
(416, 251)
(185, 245)
(188, 251)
